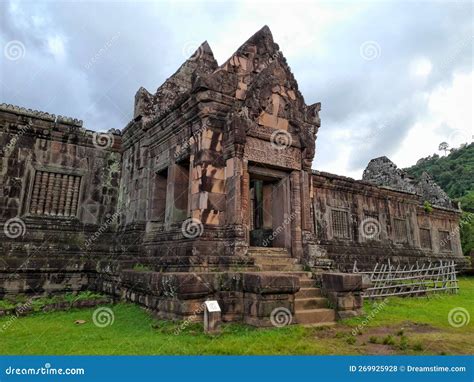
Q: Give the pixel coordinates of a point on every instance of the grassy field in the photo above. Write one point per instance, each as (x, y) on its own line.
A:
(398, 326)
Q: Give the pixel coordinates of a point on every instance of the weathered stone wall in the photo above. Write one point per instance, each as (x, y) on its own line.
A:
(58, 197)
(357, 221)
(247, 297)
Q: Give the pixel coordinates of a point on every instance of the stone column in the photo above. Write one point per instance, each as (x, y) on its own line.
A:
(307, 222)
(245, 211)
(234, 191)
(208, 200)
(295, 198)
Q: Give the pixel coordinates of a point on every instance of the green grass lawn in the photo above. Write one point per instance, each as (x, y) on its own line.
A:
(402, 326)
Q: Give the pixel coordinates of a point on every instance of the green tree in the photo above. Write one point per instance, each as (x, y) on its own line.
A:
(443, 146)
(454, 173)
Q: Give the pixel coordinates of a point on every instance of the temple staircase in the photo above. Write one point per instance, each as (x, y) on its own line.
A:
(311, 308)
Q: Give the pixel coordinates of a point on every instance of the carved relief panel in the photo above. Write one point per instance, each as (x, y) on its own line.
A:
(264, 152)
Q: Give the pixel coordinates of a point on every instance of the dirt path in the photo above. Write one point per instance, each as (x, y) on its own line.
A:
(382, 340)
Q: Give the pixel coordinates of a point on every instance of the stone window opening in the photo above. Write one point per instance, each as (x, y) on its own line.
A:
(158, 201)
(340, 224)
(181, 190)
(445, 244)
(425, 238)
(54, 194)
(400, 230)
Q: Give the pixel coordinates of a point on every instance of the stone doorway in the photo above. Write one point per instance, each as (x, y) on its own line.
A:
(269, 209)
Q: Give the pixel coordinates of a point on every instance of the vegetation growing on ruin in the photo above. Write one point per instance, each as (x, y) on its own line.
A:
(454, 173)
(37, 304)
(142, 267)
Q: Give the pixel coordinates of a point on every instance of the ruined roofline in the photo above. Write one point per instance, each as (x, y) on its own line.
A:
(359, 181)
(329, 175)
(153, 106)
(150, 108)
(204, 48)
(263, 33)
(40, 115)
(264, 39)
(55, 119)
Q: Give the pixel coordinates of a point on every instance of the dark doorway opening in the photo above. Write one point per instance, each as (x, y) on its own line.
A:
(269, 209)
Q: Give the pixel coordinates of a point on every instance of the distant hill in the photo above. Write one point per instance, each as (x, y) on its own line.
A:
(454, 173)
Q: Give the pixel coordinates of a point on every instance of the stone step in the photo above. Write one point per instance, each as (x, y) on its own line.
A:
(271, 256)
(279, 267)
(315, 316)
(268, 249)
(308, 292)
(311, 303)
(306, 282)
(276, 261)
(299, 274)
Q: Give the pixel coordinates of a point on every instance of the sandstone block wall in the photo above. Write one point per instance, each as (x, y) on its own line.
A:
(358, 221)
(58, 195)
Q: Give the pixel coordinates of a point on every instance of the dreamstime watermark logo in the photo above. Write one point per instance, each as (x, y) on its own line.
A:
(456, 231)
(14, 228)
(370, 317)
(458, 317)
(192, 228)
(370, 50)
(103, 317)
(102, 140)
(186, 143)
(281, 139)
(281, 317)
(193, 51)
(19, 311)
(369, 228)
(98, 55)
(454, 53)
(11, 145)
(14, 50)
(44, 370)
(190, 319)
(460, 136)
(288, 219)
(103, 228)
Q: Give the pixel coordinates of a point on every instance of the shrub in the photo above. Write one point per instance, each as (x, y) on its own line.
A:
(388, 340)
(418, 346)
(373, 340)
(427, 206)
(351, 340)
(403, 343)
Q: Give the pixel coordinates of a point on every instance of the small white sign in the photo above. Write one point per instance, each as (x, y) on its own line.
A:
(212, 306)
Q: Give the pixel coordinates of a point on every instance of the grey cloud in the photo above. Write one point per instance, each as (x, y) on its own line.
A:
(382, 90)
(114, 48)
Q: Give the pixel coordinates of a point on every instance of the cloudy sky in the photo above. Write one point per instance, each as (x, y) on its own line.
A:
(394, 78)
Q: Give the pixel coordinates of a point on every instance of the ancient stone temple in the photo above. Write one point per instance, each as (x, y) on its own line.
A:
(207, 193)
